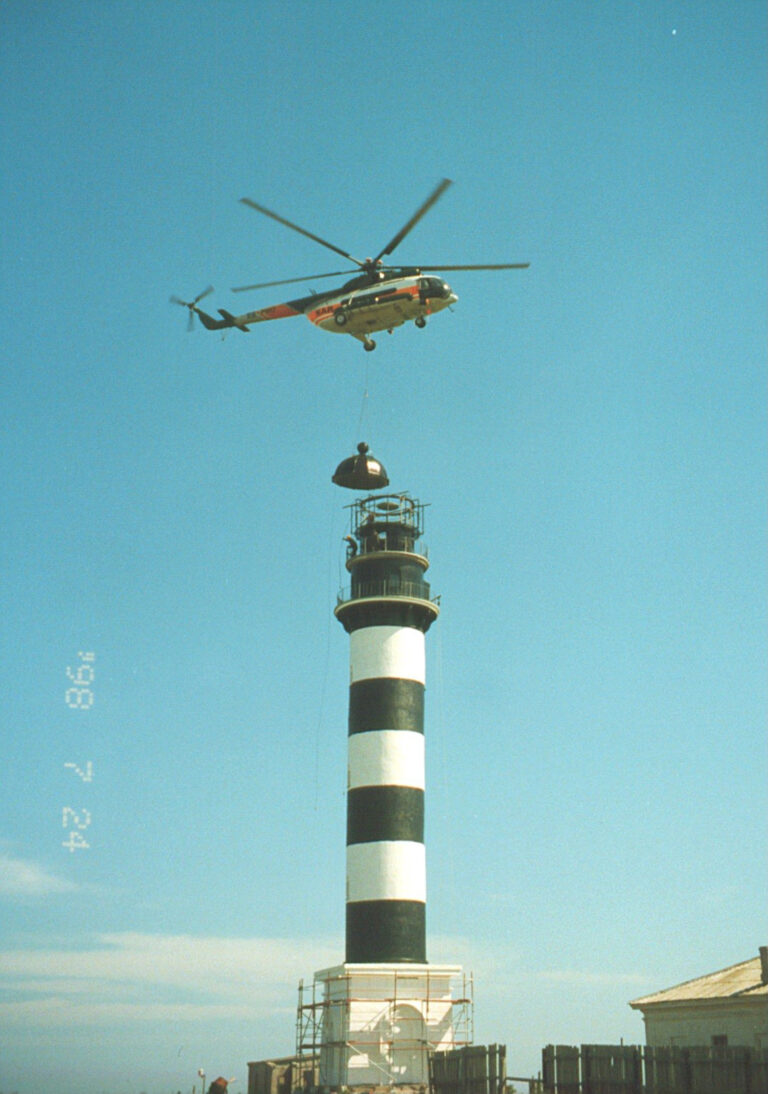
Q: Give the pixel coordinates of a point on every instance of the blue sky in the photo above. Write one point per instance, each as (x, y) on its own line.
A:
(589, 434)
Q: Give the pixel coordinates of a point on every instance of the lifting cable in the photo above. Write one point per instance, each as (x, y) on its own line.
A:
(364, 403)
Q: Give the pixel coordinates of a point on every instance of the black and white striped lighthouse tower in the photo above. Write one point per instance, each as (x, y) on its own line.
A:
(387, 614)
(385, 1008)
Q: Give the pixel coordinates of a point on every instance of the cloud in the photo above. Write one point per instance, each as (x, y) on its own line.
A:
(493, 963)
(21, 879)
(132, 977)
(134, 980)
(58, 1012)
(208, 963)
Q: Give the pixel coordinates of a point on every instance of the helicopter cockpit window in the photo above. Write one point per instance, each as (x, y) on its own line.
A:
(433, 286)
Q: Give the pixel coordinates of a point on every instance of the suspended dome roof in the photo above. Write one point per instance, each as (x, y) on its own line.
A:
(361, 472)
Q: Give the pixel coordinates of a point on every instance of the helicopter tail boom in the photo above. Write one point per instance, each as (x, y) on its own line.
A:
(234, 321)
(209, 322)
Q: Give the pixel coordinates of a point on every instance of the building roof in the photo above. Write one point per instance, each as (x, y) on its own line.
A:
(742, 981)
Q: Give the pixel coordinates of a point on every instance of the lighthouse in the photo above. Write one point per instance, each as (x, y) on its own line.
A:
(373, 1020)
(387, 612)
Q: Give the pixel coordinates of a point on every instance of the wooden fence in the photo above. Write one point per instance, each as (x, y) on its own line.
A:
(475, 1069)
(642, 1069)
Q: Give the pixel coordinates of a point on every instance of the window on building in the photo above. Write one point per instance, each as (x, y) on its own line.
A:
(719, 1040)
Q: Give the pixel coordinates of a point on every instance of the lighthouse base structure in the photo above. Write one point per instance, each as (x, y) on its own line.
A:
(376, 1024)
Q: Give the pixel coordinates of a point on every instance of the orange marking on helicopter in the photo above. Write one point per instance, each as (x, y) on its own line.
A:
(279, 311)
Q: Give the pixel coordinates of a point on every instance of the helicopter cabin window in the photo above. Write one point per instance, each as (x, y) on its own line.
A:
(371, 297)
(363, 301)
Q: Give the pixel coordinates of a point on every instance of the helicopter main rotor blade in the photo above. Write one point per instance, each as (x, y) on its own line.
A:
(423, 208)
(302, 231)
(496, 266)
(292, 280)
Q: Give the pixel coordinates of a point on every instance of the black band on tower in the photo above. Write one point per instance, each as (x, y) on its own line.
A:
(386, 930)
(385, 813)
(386, 703)
(372, 613)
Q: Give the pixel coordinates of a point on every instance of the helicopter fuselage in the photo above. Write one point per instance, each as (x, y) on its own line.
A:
(361, 309)
(368, 303)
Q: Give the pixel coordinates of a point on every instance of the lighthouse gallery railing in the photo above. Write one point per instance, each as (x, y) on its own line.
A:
(389, 586)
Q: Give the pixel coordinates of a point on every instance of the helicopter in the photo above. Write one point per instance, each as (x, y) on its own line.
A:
(379, 297)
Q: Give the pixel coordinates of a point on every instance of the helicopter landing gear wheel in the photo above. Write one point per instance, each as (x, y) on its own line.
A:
(369, 345)
(420, 322)
(340, 317)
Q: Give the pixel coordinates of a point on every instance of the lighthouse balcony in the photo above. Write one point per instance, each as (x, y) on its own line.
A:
(392, 586)
(387, 602)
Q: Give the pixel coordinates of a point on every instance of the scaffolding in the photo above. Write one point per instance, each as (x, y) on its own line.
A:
(394, 1029)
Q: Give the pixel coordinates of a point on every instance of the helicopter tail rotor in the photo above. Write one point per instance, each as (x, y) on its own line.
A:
(192, 304)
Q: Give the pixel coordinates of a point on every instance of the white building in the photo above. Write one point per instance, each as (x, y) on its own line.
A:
(729, 1007)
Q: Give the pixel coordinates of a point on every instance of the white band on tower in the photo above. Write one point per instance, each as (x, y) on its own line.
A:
(386, 757)
(386, 871)
(387, 652)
